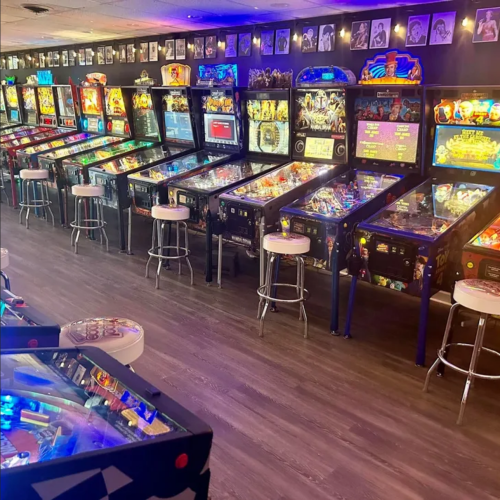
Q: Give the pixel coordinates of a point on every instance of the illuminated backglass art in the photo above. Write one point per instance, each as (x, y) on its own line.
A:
(177, 119)
(406, 109)
(91, 101)
(463, 111)
(392, 68)
(325, 76)
(11, 97)
(115, 106)
(29, 99)
(470, 148)
(222, 75)
(176, 75)
(46, 100)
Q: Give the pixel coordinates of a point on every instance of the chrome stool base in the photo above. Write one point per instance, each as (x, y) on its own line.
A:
(88, 224)
(28, 203)
(157, 248)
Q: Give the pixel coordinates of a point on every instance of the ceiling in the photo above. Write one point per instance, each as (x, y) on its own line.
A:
(86, 21)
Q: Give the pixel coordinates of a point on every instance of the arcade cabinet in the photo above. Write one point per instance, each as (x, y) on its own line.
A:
(77, 422)
(414, 245)
(319, 152)
(384, 157)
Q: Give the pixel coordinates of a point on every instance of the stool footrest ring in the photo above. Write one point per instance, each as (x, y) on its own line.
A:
(261, 293)
(185, 253)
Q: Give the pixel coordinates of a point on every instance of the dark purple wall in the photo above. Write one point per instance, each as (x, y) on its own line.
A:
(458, 64)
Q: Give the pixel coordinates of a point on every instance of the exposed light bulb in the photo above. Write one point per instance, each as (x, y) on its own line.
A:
(342, 33)
(29, 58)
(397, 28)
(255, 40)
(219, 44)
(114, 52)
(465, 22)
(93, 53)
(295, 37)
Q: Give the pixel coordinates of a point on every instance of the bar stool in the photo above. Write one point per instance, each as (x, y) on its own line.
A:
(119, 337)
(168, 213)
(28, 178)
(92, 194)
(482, 296)
(276, 245)
(4, 264)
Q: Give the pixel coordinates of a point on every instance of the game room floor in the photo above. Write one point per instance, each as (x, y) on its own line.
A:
(293, 419)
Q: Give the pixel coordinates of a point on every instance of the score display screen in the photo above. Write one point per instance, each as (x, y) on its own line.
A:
(221, 129)
(389, 141)
(176, 116)
(471, 148)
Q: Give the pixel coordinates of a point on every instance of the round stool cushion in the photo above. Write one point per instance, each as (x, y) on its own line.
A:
(87, 190)
(5, 258)
(121, 338)
(291, 244)
(39, 174)
(479, 295)
(168, 212)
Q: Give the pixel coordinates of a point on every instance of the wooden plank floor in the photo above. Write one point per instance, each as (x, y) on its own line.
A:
(293, 419)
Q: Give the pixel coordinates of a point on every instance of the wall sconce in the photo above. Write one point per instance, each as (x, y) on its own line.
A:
(397, 28)
(93, 53)
(465, 22)
(295, 37)
(342, 33)
(256, 40)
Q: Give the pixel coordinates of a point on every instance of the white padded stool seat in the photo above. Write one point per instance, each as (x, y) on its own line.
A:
(119, 337)
(170, 213)
(292, 244)
(5, 258)
(87, 190)
(39, 174)
(479, 295)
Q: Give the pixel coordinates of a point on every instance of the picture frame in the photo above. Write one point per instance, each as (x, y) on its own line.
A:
(9, 62)
(199, 47)
(122, 53)
(71, 57)
(267, 43)
(231, 48)
(282, 43)
(81, 57)
(442, 28)
(21, 64)
(130, 53)
(380, 33)
(108, 54)
(326, 38)
(169, 50)
(55, 56)
(211, 47)
(180, 49)
(28, 61)
(244, 44)
(89, 58)
(143, 52)
(65, 58)
(50, 59)
(100, 55)
(15, 62)
(41, 59)
(309, 41)
(486, 25)
(417, 31)
(360, 35)
(153, 51)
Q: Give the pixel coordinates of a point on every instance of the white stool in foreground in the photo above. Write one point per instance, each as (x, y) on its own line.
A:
(162, 214)
(92, 194)
(4, 265)
(119, 337)
(482, 296)
(277, 244)
(30, 179)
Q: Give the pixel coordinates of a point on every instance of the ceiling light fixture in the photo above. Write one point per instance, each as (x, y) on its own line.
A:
(342, 33)
(190, 16)
(465, 22)
(397, 28)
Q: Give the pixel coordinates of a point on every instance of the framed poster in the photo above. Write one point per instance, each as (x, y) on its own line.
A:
(169, 50)
(360, 33)
(89, 57)
(28, 61)
(9, 62)
(267, 43)
(55, 55)
(64, 57)
(21, 62)
(81, 57)
(283, 41)
(71, 57)
(180, 49)
(50, 59)
(143, 52)
(130, 53)
(199, 47)
(418, 29)
(442, 28)
(231, 49)
(41, 59)
(380, 33)
(487, 25)
(244, 44)
(309, 39)
(108, 54)
(122, 53)
(326, 40)
(100, 55)
(211, 47)
(153, 51)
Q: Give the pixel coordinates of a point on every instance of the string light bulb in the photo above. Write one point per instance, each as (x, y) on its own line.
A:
(397, 28)
(114, 52)
(219, 44)
(295, 37)
(342, 33)
(465, 22)
(255, 40)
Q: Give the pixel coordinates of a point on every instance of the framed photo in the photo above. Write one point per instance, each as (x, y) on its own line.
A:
(487, 25)
(9, 62)
(50, 59)
(122, 53)
(442, 28)
(380, 33)
(211, 47)
(71, 57)
(89, 58)
(15, 62)
(169, 50)
(309, 39)
(199, 47)
(360, 34)
(65, 58)
(108, 54)
(180, 49)
(282, 41)
(153, 51)
(130, 53)
(55, 55)
(21, 64)
(143, 52)
(231, 49)
(41, 59)
(2, 63)
(100, 55)
(418, 29)
(27, 61)
(326, 40)
(81, 57)
(267, 43)
(244, 44)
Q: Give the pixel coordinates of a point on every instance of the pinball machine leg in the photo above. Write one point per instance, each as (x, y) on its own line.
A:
(129, 231)
(425, 302)
(121, 228)
(219, 262)
(334, 313)
(209, 249)
(350, 309)
(13, 185)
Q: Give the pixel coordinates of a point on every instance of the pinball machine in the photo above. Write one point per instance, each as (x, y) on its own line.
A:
(175, 139)
(76, 420)
(11, 94)
(414, 245)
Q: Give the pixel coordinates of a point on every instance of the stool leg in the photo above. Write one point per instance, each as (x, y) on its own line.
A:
(268, 283)
(153, 248)
(178, 246)
(73, 230)
(46, 186)
(186, 244)
(100, 209)
(6, 280)
(78, 222)
(441, 351)
(473, 364)
(28, 202)
(161, 231)
(302, 313)
(23, 200)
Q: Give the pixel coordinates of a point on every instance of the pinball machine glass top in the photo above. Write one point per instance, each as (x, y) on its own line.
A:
(490, 237)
